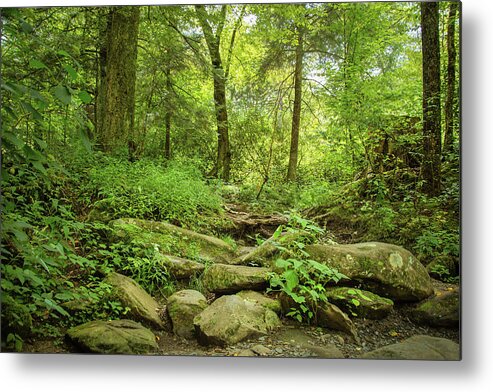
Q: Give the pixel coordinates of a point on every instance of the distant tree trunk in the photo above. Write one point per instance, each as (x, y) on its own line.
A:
(223, 162)
(295, 125)
(431, 98)
(167, 117)
(452, 58)
(116, 93)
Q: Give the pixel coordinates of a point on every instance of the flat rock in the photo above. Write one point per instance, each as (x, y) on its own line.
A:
(113, 337)
(385, 269)
(142, 306)
(231, 319)
(297, 337)
(229, 279)
(443, 310)
(418, 347)
(165, 237)
(182, 307)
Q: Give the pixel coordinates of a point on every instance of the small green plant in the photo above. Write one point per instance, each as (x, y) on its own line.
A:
(444, 273)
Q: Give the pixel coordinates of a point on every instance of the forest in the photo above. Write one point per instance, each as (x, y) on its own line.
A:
(265, 180)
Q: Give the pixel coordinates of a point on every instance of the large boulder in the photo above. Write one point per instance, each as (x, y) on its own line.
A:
(386, 269)
(142, 306)
(360, 303)
(228, 279)
(263, 300)
(168, 238)
(231, 319)
(443, 310)
(419, 347)
(182, 307)
(113, 337)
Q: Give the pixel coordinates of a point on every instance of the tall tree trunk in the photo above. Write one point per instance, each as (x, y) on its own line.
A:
(431, 98)
(223, 162)
(167, 117)
(295, 125)
(450, 100)
(116, 96)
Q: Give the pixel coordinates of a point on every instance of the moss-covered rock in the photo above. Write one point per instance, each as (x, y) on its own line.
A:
(228, 279)
(360, 303)
(443, 267)
(418, 347)
(231, 319)
(258, 298)
(182, 308)
(386, 269)
(113, 337)
(180, 268)
(168, 238)
(142, 306)
(443, 310)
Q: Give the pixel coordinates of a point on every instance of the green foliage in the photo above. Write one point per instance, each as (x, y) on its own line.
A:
(176, 192)
(303, 280)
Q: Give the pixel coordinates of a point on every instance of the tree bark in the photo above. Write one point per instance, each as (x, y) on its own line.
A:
(167, 116)
(295, 125)
(223, 162)
(431, 98)
(450, 100)
(116, 95)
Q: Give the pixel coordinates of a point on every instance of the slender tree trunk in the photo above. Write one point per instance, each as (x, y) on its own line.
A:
(431, 98)
(116, 97)
(167, 117)
(295, 125)
(452, 58)
(223, 162)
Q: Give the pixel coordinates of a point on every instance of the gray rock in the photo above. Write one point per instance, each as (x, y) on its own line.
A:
(360, 303)
(261, 350)
(256, 297)
(180, 268)
(418, 347)
(142, 306)
(386, 269)
(113, 337)
(182, 307)
(443, 310)
(229, 279)
(231, 319)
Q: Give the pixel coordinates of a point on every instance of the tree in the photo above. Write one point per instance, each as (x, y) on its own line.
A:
(431, 98)
(451, 60)
(295, 127)
(213, 40)
(116, 93)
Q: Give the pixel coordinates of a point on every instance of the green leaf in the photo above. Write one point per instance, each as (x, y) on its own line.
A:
(26, 27)
(62, 94)
(291, 278)
(30, 109)
(71, 71)
(37, 64)
(63, 53)
(355, 302)
(84, 97)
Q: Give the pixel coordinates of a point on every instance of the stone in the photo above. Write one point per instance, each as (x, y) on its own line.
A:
(229, 279)
(385, 269)
(261, 350)
(360, 303)
(182, 307)
(142, 306)
(180, 268)
(443, 310)
(418, 347)
(330, 316)
(231, 319)
(113, 337)
(443, 267)
(296, 337)
(246, 352)
(165, 237)
(327, 315)
(256, 297)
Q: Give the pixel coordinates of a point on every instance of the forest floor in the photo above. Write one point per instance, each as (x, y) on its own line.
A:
(292, 339)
